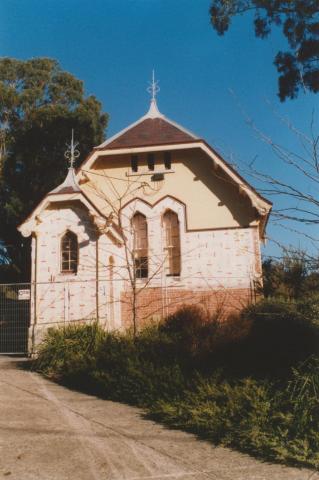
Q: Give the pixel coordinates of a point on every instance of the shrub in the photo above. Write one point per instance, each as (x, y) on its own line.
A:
(195, 334)
(253, 416)
(280, 336)
(180, 370)
(133, 370)
(309, 308)
(303, 389)
(69, 352)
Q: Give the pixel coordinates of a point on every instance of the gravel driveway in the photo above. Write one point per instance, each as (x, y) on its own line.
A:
(51, 433)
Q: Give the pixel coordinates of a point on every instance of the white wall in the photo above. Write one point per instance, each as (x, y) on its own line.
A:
(212, 259)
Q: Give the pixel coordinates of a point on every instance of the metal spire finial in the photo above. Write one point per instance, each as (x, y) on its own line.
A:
(72, 153)
(153, 88)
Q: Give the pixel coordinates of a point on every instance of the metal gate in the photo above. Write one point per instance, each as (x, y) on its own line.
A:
(14, 317)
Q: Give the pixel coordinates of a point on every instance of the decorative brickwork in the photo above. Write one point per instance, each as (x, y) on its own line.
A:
(154, 304)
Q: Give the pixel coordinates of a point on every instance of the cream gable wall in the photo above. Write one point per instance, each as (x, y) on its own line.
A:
(212, 201)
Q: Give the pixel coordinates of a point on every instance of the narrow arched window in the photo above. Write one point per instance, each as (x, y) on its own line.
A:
(140, 247)
(69, 253)
(172, 243)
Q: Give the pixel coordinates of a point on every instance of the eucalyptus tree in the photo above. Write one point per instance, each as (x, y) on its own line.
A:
(39, 105)
(298, 66)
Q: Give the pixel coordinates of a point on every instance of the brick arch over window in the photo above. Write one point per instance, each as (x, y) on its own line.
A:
(172, 243)
(69, 252)
(140, 245)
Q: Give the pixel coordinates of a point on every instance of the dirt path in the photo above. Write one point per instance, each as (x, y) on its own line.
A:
(48, 432)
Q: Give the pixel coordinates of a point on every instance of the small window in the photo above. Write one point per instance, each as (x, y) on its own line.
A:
(167, 160)
(69, 253)
(140, 247)
(141, 267)
(150, 161)
(172, 243)
(134, 163)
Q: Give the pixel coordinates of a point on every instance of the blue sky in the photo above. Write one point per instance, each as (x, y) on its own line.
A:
(113, 45)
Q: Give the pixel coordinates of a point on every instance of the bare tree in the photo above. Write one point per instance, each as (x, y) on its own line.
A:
(298, 190)
(134, 262)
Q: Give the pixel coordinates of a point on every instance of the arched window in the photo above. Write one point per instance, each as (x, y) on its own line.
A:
(172, 243)
(69, 253)
(140, 247)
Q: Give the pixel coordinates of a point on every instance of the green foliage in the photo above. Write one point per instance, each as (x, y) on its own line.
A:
(258, 394)
(293, 277)
(299, 67)
(281, 335)
(254, 416)
(192, 330)
(40, 104)
(69, 353)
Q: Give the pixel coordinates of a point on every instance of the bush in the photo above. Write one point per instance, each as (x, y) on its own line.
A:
(69, 353)
(199, 338)
(258, 394)
(309, 308)
(280, 336)
(253, 416)
(140, 370)
(192, 332)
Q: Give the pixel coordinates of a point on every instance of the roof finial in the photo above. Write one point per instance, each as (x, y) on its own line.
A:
(72, 153)
(153, 88)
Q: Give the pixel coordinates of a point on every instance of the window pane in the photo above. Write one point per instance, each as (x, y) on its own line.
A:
(139, 224)
(69, 252)
(172, 243)
(141, 267)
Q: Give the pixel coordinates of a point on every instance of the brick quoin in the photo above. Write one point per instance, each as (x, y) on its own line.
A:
(154, 304)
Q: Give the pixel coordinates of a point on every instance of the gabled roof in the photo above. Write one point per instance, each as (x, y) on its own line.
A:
(69, 191)
(151, 129)
(152, 132)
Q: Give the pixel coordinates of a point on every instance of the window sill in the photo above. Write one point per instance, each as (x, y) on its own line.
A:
(148, 172)
(142, 280)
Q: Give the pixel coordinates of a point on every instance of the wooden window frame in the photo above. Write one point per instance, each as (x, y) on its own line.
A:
(70, 270)
(172, 261)
(140, 254)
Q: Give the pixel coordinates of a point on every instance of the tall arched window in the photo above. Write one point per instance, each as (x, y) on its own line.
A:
(69, 253)
(140, 247)
(172, 243)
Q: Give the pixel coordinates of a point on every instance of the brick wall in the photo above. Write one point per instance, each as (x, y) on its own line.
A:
(154, 304)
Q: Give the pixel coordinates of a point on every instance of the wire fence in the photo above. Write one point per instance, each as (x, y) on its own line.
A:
(14, 317)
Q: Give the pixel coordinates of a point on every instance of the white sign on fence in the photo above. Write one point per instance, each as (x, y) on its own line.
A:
(24, 294)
